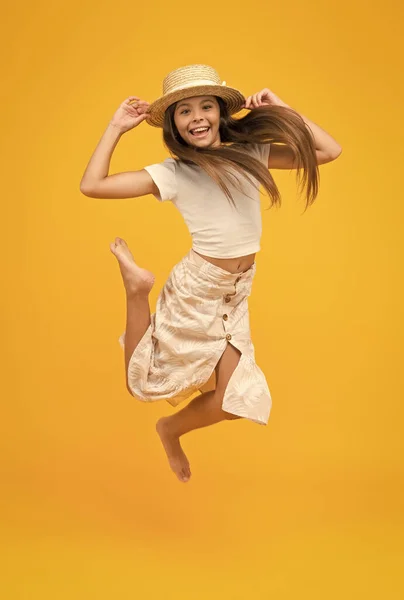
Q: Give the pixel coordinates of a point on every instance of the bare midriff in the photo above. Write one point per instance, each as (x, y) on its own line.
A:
(232, 265)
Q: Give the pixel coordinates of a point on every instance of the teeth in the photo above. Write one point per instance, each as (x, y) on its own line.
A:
(200, 129)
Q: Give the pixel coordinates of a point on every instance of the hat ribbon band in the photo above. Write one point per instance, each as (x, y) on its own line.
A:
(192, 84)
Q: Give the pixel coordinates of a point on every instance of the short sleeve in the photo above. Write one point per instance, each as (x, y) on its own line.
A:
(163, 175)
(261, 152)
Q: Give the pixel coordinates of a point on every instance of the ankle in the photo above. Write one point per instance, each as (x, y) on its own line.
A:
(165, 425)
(133, 293)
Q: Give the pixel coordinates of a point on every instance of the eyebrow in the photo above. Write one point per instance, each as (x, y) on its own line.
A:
(188, 104)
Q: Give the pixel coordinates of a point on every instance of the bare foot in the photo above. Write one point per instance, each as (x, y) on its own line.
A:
(175, 454)
(136, 280)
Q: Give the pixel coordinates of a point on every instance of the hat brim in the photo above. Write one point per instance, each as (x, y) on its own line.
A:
(233, 98)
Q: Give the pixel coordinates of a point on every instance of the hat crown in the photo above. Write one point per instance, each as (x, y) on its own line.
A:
(189, 81)
(190, 76)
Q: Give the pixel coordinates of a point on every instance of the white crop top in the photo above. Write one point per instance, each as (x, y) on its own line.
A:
(217, 229)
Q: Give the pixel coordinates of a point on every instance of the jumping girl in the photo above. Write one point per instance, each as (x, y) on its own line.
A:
(199, 337)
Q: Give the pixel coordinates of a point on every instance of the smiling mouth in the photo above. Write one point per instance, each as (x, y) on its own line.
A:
(199, 131)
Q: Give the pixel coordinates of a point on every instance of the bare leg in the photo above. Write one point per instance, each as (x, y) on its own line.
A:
(138, 282)
(137, 323)
(202, 411)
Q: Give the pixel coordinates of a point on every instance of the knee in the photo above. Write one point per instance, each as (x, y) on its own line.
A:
(219, 395)
(230, 417)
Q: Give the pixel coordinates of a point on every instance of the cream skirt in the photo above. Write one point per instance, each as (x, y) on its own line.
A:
(200, 310)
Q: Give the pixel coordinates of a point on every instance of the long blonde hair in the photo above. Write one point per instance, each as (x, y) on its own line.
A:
(263, 125)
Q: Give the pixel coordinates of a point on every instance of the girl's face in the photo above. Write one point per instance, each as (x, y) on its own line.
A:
(197, 120)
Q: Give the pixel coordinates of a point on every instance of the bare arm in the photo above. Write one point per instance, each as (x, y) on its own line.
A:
(327, 149)
(282, 157)
(96, 183)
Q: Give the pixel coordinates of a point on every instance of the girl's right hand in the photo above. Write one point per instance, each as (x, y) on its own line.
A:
(130, 114)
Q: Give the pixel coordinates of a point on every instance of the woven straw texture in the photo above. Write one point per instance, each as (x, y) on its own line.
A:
(192, 80)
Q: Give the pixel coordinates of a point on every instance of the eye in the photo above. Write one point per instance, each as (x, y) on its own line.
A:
(184, 110)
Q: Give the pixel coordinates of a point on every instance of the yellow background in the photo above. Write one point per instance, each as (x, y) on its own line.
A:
(309, 506)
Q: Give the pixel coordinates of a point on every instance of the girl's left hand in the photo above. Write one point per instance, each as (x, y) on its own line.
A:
(263, 98)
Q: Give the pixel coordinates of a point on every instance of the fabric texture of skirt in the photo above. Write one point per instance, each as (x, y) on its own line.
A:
(200, 309)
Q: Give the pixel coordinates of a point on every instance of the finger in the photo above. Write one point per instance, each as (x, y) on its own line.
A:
(137, 120)
(139, 108)
(265, 96)
(141, 105)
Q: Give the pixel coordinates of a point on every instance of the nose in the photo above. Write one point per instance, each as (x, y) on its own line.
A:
(197, 116)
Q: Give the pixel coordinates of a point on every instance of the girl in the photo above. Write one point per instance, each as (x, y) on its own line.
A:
(199, 338)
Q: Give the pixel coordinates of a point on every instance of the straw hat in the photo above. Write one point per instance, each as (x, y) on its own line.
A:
(192, 80)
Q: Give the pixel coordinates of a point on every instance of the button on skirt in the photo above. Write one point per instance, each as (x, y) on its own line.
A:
(200, 309)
